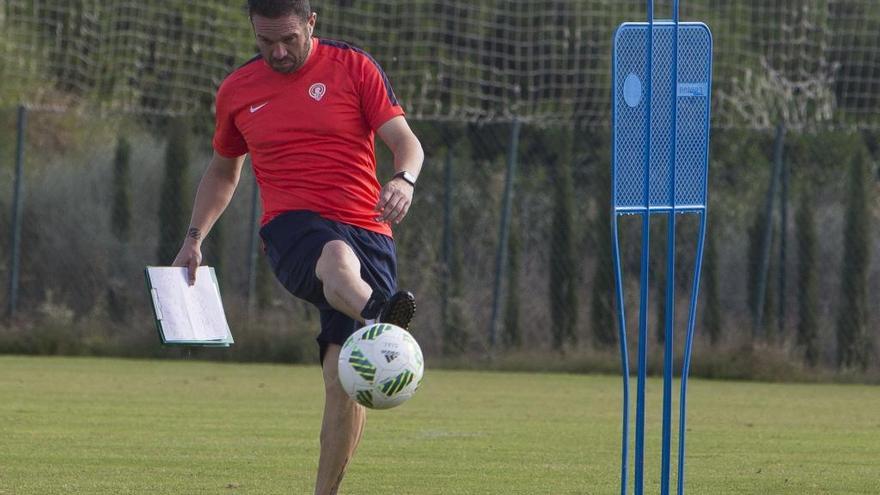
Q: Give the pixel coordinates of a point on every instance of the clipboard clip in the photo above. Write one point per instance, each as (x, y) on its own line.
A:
(155, 296)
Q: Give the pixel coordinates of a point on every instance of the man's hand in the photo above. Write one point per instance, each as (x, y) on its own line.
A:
(394, 201)
(215, 190)
(190, 256)
(396, 197)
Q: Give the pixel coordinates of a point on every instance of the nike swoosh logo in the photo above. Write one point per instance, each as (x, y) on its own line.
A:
(255, 108)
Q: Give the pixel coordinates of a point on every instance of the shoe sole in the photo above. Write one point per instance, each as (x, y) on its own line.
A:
(401, 311)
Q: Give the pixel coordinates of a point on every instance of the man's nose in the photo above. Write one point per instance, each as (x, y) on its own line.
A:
(278, 51)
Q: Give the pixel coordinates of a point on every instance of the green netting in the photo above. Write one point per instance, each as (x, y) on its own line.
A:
(808, 63)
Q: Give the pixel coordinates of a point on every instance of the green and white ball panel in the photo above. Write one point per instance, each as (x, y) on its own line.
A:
(381, 366)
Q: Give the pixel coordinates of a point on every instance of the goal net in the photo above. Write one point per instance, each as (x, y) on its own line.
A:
(806, 63)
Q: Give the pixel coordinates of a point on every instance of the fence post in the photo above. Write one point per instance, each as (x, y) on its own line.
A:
(17, 201)
(758, 321)
(504, 230)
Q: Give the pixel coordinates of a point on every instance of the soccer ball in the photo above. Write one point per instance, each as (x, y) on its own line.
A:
(381, 366)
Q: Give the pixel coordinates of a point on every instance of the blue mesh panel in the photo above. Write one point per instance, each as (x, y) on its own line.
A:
(695, 55)
(661, 119)
(630, 120)
(692, 139)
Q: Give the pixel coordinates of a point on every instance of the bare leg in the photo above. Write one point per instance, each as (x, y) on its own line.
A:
(340, 271)
(341, 430)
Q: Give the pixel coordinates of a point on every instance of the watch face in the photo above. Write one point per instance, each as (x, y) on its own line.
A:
(407, 177)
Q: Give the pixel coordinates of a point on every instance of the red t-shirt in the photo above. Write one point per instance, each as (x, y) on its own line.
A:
(310, 133)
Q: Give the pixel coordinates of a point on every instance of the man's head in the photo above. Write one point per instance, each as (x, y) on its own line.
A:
(283, 30)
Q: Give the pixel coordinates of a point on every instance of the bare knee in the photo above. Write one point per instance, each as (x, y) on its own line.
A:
(337, 260)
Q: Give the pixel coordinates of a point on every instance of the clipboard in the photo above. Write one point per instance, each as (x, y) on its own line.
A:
(187, 315)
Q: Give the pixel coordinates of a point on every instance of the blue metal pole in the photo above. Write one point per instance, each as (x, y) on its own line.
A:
(624, 353)
(686, 365)
(18, 199)
(692, 314)
(670, 274)
(644, 279)
(621, 310)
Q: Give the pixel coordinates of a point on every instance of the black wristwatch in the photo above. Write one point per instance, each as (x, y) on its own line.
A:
(410, 178)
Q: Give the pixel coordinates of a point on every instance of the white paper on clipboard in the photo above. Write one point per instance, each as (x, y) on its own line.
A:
(188, 314)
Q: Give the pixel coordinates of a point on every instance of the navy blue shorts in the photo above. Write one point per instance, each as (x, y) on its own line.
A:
(293, 242)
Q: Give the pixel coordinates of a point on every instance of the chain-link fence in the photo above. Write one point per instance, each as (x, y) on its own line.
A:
(507, 245)
(81, 281)
(810, 63)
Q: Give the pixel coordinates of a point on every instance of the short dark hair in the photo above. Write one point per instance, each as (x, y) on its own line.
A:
(274, 9)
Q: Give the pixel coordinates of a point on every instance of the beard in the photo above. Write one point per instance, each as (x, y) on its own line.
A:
(292, 62)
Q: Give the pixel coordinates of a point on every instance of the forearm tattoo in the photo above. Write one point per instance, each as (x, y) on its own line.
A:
(194, 233)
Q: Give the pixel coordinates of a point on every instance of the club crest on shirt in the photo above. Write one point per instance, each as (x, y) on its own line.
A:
(317, 91)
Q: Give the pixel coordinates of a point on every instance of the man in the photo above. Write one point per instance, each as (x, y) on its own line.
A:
(306, 109)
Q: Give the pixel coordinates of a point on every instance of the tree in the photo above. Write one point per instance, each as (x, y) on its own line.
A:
(121, 213)
(602, 323)
(512, 335)
(601, 305)
(213, 246)
(120, 224)
(808, 280)
(756, 252)
(454, 323)
(852, 338)
(563, 263)
(173, 196)
(264, 283)
(456, 336)
(712, 322)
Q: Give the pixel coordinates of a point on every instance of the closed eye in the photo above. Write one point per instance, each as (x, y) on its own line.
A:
(285, 40)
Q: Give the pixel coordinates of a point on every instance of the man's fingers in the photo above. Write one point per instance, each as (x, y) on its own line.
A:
(191, 268)
(403, 212)
(391, 208)
(399, 210)
(393, 205)
(383, 205)
(384, 197)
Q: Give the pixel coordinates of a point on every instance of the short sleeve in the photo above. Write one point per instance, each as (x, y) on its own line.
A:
(378, 102)
(228, 140)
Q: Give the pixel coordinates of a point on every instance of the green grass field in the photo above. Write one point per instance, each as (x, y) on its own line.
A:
(104, 426)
